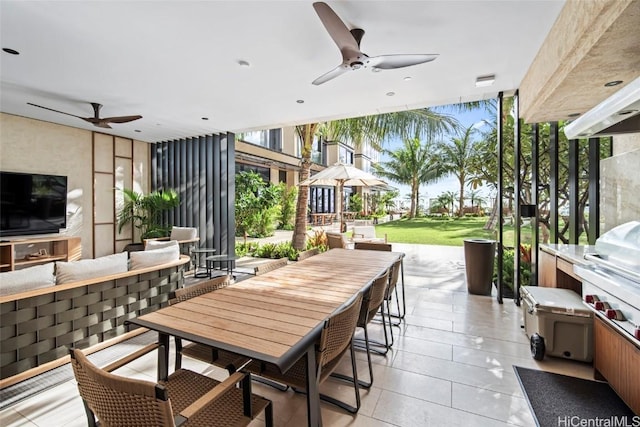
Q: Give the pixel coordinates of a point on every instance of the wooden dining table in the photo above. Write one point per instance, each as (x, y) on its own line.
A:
(275, 317)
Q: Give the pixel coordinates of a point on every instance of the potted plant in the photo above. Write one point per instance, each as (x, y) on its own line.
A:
(144, 212)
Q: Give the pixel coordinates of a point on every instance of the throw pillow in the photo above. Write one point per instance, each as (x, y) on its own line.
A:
(73, 271)
(184, 233)
(160, 244)
(27, 279)
(153, 257)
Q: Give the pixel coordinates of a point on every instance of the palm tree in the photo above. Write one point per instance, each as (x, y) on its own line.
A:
(375, 129)
(458, 159)
(413, 164)
(476, 197)
(447, 199)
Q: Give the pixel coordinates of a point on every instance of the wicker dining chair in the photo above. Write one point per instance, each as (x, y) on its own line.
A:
(221, 358)
(270, 266)
(185, 398)
(373, 246)
(335, 340)
(393, 280)
(308, 254)
(336, 240)
(372, 303)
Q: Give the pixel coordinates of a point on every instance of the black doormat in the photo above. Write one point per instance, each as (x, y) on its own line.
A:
(28, 388)
(560, 400)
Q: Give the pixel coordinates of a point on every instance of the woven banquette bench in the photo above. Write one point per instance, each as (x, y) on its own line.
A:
(41, 316)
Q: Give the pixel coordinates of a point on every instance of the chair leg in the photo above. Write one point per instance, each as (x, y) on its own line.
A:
(91, 419)
(375, 346)
(339, 403)
(267, 381)
(363, 384)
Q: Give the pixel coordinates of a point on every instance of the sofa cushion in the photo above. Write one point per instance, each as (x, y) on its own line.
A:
(160, 244)
(153, 257)
(67, 272)
(26, 279)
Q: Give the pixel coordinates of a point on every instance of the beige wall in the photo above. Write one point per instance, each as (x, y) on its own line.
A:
(620, 183)
(28, 145)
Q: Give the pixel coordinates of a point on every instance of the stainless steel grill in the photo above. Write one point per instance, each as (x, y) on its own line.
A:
(611, 279)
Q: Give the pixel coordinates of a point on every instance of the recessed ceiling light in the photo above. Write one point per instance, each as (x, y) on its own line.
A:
(11, 51)
(484, 81)
(244, 63)
(137, 130)
(613, 83)
(390, 93)
(573, 115)
(406, 79)
(300, 101)
(205, 118)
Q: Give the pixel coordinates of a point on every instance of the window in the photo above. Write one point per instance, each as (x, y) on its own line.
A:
(345, 155)
(271, 138)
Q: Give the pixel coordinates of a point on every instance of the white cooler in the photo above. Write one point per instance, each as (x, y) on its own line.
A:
(557, 323)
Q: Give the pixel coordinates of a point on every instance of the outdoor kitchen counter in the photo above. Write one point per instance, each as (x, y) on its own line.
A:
(556, 263)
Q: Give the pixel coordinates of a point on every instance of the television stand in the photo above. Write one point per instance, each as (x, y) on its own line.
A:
(16, 254)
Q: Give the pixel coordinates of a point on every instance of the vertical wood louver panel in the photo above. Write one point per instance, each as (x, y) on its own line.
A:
(202, 170)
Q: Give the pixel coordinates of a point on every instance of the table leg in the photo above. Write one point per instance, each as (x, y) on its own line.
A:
(314, 418)
(163, 356)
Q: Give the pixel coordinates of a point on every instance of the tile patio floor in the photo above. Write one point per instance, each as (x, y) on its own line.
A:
(452, 364)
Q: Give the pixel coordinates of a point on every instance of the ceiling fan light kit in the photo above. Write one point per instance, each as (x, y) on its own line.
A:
(348, 41)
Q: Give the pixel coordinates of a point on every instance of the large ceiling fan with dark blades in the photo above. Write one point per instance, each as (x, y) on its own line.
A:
(96, 120)
(353, 58)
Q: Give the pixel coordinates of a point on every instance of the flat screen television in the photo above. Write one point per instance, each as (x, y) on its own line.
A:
(32, 203)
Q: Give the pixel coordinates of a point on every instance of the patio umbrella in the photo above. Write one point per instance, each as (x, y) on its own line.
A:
(340, 175)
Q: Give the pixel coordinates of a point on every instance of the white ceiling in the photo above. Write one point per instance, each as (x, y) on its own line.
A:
(175, 62)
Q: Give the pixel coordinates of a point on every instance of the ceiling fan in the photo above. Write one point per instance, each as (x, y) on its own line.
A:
(353, 58)
(96, 120)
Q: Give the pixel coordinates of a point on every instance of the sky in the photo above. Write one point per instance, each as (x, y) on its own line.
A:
(449, 183)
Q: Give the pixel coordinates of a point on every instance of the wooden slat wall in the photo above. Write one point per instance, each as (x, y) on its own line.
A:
(202, 170)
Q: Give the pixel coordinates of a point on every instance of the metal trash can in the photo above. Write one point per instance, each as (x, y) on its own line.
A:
(478, 259)
(557, 323)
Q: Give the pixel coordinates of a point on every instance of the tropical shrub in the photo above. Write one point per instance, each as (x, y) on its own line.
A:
(257, 205)
(318, 240)
(246, 249)
(355, 203)
(508, 266)
(288, 198)
(272, 250)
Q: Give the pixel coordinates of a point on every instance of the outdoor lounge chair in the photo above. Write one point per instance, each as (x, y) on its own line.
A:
(366, 233)
(184, 398)
(336, 240)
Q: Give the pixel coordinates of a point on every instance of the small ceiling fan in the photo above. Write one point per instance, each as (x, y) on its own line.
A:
(96, 120)
(353, 58)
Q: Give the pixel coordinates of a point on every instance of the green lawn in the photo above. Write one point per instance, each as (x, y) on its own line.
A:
(434, 231)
